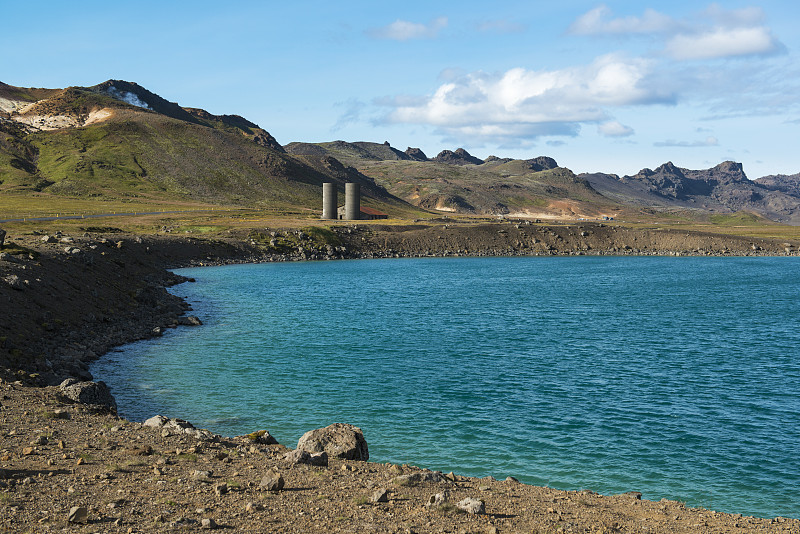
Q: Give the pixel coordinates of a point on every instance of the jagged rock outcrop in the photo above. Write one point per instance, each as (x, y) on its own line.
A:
(726, 180)
(788, 184)
(416, 154)
(459, 157)
(724, 188)
(495, 159)
(541, 163)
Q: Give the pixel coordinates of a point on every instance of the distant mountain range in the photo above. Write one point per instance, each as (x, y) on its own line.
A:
(117, 139)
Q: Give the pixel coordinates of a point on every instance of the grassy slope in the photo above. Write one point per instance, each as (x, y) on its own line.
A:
(492, 188)
(485, 188)
(145, 157)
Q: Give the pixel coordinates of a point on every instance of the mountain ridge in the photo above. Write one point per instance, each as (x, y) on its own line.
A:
(119, 138)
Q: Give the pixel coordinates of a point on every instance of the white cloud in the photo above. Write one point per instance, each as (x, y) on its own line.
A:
(748, 16)
(403, 30)
(713, 33)
(598, 21)
(525, 103)
(723, 42)
(614, 129)
(708, 141)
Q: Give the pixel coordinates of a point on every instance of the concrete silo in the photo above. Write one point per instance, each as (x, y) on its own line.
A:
(352, 201)
(330, 202)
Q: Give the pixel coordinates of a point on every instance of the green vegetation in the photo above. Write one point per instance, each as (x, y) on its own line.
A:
(253, 436)
(739, 219)
(141, 160)
(322, 236)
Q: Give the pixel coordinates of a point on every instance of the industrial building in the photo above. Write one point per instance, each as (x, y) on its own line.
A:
(352, 210)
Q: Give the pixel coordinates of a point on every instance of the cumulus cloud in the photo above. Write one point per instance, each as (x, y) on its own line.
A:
(599, 21)
(614, 129)
(403, 30)
(708, 141)
(529, 103)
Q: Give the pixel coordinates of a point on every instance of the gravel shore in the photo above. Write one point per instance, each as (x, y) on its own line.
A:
(70, 298)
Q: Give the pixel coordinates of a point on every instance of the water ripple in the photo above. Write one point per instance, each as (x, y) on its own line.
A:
(677, 377)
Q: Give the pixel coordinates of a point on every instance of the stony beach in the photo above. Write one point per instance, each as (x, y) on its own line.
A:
(68, 462)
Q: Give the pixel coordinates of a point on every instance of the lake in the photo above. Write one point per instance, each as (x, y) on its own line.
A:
(676, 377)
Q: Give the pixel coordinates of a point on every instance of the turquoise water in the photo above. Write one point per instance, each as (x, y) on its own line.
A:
(676, 377)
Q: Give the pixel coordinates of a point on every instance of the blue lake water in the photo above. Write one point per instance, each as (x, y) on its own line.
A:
(676, 377)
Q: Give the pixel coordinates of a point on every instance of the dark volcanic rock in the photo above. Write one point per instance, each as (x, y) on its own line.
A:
(459, 157)
(788, 184)
(263, 138)
(541, 163)
(495, 159)
(416, 154)
(668, 181)
(673, 182)
(305, 149)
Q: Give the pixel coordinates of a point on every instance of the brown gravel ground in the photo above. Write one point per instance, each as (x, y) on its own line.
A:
(66, 308)
(130, 478)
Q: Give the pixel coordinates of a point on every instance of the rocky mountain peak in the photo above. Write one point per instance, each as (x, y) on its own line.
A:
(541, 163)
(459, 157)
(416, 154)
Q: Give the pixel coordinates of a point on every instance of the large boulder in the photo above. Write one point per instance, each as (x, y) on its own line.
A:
(172, 427)
(94, 393)
(339, 440)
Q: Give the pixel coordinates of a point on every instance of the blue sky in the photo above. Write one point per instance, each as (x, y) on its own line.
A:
(599, 86)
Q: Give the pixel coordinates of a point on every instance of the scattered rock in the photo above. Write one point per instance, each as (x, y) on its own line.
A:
(272, 481)
(2, 237)
(94, 393)
(78, 514)
(379, 495)
(413, 479)
(171, 427)
(157, 421)
(221, 489)
(209, 523)
(190, 320)
(298, 456)
(262, 437)
(339, 440)
(472, 506)
(438, 500)
(253, 507)
(14, 282)
(201, 476)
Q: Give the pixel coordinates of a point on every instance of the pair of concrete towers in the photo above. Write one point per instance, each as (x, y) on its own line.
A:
(352, 201)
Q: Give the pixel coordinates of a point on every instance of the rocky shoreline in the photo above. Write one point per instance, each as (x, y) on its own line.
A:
(74, 297)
